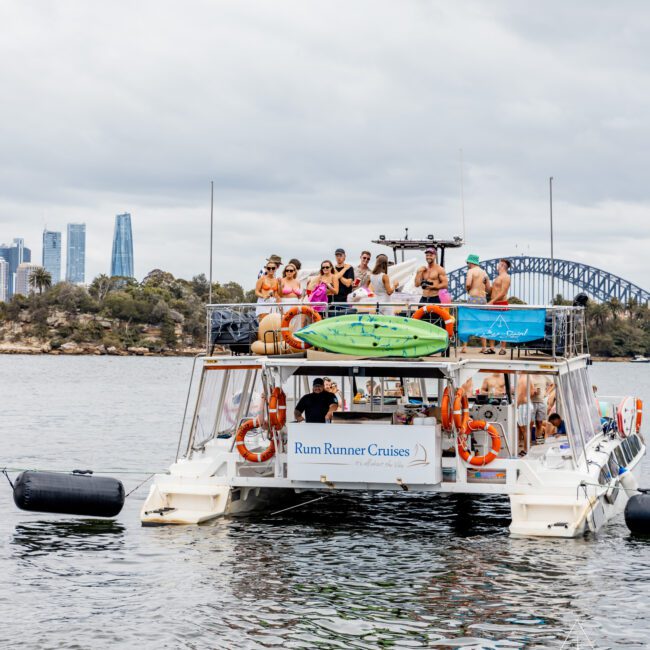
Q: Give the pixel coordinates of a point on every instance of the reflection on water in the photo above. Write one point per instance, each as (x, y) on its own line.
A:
(364, 571)
(45, 537)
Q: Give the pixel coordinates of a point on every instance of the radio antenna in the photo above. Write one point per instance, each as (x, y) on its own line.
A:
(462, 193)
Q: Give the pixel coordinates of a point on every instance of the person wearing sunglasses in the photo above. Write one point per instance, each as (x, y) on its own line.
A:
(362, 272)
(266, 290)
(289, 289)
(324, 285)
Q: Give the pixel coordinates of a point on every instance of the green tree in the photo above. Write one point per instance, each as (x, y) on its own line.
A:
(40, 279)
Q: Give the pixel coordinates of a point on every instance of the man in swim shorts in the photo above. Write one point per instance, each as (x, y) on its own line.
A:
(524, 411)
(477, 284)
(431, 278)
(499, 296)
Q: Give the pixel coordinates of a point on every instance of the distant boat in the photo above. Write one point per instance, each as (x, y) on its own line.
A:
(639, 358)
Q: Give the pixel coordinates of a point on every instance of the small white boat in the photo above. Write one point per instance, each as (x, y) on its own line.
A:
(639, 358)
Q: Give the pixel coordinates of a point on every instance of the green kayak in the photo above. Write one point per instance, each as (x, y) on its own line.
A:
(375, 336)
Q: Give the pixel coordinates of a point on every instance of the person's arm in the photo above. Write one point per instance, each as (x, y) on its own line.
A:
(278, 290)
(343, 276)
(488, 284)
(441, 281)
(334, 286)
(485, 388)
(258, 288)
(299, 410)
(387, 285)
(419, 275)
(298, 415)
(331, 411)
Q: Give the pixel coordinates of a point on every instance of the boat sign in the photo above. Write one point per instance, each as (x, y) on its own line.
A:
(349, 453)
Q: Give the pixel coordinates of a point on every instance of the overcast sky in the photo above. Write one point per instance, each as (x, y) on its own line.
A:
(324, 124)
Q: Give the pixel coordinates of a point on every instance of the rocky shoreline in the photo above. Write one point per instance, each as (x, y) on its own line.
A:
(91, 349)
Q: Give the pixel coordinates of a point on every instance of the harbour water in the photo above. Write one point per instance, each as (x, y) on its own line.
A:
(368, 571)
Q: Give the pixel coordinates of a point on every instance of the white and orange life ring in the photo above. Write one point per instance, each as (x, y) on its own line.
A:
(443, 313)
(240, 443)
(277, 408)
(495, 439)
(639, 414)
(289, 315)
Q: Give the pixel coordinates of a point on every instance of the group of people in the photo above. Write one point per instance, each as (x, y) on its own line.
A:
(335, 281)
(535, 397)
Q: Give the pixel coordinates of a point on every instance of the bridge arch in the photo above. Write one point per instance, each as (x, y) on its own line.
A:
(526, 272)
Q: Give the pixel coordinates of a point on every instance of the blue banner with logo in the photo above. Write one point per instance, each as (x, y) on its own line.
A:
(501, 324)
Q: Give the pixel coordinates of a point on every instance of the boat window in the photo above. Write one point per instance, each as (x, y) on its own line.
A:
(225, 397)
(627, 451)
(604, 477)
(613, 465)
(636, 443)
(585, 403)
(569, 414)
(620, 458)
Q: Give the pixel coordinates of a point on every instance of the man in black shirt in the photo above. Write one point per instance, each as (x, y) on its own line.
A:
(345, 274)
(318, 406)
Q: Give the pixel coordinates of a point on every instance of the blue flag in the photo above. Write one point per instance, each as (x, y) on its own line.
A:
(509, 325)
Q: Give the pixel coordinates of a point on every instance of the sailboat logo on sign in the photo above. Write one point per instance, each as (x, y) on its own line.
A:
(500, 326)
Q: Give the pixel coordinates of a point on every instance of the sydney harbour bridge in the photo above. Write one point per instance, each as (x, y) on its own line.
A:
(531, 281)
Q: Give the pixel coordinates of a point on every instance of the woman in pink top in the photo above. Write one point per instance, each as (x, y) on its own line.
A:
(289, 289)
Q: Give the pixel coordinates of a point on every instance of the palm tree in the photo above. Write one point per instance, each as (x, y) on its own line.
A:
(615, 307)
(40, 279)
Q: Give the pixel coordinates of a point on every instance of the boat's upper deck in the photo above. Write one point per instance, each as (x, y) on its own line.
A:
(515, 333)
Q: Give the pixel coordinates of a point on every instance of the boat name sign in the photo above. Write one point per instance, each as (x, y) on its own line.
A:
(363, 454)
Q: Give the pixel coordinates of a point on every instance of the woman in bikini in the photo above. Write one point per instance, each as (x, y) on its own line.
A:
(289, 289)
(324, 284)
(266, 290)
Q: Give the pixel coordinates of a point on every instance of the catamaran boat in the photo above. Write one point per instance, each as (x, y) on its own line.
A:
(413, 415)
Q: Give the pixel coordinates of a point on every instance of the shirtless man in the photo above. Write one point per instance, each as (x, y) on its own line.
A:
(477, 284)
(540, 387)
(524, 410)
(431, 278)
(494, 385)
(499, 296)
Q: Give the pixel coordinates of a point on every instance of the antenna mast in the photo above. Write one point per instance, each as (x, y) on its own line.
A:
(462, 193)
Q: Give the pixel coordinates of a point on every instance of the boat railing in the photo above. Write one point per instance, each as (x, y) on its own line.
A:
(235, 326)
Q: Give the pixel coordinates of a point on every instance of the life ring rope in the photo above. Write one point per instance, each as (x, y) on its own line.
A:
(289, 315)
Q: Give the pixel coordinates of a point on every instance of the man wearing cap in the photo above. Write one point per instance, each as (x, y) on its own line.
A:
(318, 406)
(345, 274)
(478, 286)
(432, 278)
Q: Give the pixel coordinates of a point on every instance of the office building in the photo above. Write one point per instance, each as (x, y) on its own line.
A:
(23, 272)
(4, 279)
(75, 265)
(15, 254)
(122, 258)
(52, 254)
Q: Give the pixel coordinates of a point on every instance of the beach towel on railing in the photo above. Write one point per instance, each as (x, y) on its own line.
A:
(509, 325)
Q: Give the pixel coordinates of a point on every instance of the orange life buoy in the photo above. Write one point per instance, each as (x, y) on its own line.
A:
(290, 314)
(277, 408)
(445, 408)
(240, 442)
(461, 410)
(443, 313)
(468, 456)
(639, 414)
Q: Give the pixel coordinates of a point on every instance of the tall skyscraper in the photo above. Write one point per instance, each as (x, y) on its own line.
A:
(15, 255)
(75, 265)
(122, 258)
(22, 278)
(52, 254)
(4, 279)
